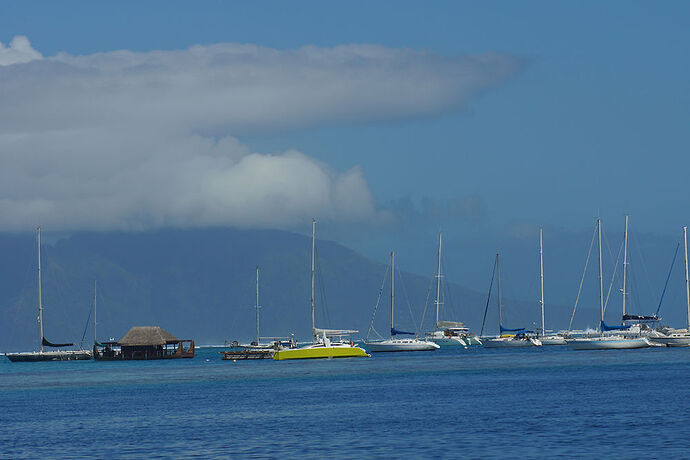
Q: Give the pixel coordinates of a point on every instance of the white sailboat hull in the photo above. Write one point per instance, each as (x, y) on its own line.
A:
(402, 345)
(552, 340)
(510, 342)
(66, 355)
(607, 343)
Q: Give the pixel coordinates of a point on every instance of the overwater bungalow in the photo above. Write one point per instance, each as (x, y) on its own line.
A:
(144, 342)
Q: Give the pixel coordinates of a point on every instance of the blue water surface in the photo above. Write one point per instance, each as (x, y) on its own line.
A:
(532, 403)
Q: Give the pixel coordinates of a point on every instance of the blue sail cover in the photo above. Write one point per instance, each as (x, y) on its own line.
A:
(606, 327)
(503, 329)
(394, 331)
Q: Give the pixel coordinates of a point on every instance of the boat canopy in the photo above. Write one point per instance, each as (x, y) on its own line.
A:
(55, 345)
(503, 329)
(450, 325)
(333, 332)
(394, 331)
(606, 327)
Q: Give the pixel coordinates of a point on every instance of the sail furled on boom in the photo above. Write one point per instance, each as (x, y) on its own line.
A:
(606, 327)
(394, 331)
(644, 318)
(55, 345)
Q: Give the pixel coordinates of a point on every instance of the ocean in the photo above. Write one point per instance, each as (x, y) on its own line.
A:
(478, 403)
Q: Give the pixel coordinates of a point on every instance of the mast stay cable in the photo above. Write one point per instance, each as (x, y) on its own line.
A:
(488, 299)
(579, 291)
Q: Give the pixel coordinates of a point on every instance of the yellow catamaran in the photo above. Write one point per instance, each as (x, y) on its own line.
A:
(327, 343)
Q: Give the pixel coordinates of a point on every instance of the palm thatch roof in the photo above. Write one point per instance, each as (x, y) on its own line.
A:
(147, 335)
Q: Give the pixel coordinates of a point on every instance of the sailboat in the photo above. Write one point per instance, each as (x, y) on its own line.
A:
(96, 343)
(632, 325)
(604, 340)
(50, 355)
(326, 343)
(257, 349)
(677, 337)
(550, 339)
(508, 338)
(394, 344)
(448, 333)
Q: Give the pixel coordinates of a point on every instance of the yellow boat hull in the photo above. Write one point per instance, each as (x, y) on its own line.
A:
(320, 352)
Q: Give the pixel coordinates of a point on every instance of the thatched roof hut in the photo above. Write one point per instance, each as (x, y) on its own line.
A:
(139, 336)
(145, 342)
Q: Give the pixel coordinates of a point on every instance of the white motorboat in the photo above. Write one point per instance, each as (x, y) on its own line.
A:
(552, 340)
(453, 334)
(670, 337)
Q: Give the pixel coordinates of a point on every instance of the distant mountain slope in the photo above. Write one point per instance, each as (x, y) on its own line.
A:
(200, 284)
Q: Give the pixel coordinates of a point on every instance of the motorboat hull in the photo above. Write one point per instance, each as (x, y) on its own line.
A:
(320, 352)
(402, 345)
(672, 340)
(453, 340)
(449, 342)
(30, 357)
(472, 340)
(614, 343)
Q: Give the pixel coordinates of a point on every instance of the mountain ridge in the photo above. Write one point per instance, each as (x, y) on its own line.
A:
(200, 284)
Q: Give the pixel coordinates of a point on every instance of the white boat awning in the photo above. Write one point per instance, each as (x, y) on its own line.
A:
(333, 332)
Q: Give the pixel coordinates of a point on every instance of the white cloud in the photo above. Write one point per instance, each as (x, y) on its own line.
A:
(141, 140)
(18, 51)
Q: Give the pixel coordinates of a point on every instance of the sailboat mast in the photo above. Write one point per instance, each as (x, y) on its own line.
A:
(687, 283)
(541, 278)
(498, 279)
(257, 305)
(438, 277)
(601, 283)
(313, 252)
(95, 340)
(40, 301)
(625, 263)
(392, 291)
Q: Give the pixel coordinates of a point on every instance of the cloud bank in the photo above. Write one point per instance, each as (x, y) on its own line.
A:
(19, 50)
(125, 140)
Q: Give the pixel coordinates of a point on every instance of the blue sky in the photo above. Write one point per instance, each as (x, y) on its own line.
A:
(592, 119)
(595, 121)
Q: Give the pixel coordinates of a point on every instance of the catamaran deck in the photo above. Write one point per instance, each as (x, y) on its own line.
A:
(247, 354)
